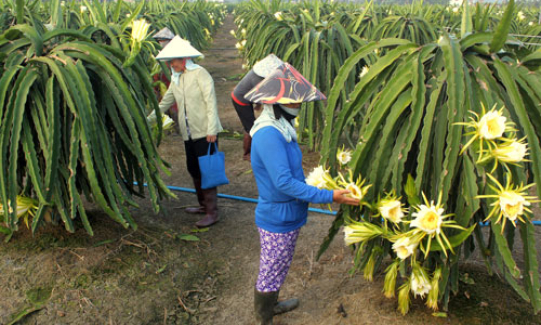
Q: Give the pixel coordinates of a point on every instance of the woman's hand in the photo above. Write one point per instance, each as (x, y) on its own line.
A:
(339, 196)
(211, 138)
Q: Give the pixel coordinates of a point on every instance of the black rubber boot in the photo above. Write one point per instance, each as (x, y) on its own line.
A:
(264, 306)
(285, 306)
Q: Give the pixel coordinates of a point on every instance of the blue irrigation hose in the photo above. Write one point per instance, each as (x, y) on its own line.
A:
(251, 200)
(240, 198)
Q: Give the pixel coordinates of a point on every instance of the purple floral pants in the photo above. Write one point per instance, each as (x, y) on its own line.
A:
(276, 255)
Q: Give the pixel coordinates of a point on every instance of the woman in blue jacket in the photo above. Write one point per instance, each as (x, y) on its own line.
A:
(283, 194)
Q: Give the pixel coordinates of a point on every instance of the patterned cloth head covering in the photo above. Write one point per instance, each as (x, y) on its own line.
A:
(164, 34)
(284, 86)
(266, 66)
(178, 48)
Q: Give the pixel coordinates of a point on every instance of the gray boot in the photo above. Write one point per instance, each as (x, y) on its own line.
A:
(264, 303)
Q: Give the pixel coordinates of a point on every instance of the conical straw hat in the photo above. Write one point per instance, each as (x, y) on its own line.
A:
(164, 33)
(284, 86)
(266, 66)
(178, 48)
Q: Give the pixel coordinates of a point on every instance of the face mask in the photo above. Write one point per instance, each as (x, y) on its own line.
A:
(290, 111)
(175, 76)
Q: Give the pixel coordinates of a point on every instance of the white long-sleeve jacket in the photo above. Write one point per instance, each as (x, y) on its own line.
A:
(196, 100)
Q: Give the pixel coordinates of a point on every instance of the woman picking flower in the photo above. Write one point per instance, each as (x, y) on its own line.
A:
(283, 194)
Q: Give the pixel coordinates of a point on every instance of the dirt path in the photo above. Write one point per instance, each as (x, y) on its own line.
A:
(156, 276)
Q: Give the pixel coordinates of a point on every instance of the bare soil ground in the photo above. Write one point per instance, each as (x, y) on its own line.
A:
(155, 276)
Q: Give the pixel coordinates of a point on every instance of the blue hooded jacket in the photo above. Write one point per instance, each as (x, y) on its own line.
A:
(283, 192)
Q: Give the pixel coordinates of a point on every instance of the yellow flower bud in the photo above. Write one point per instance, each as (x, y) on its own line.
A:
(404, 298)
(139, 30)
(360, 231)
(389, 284)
